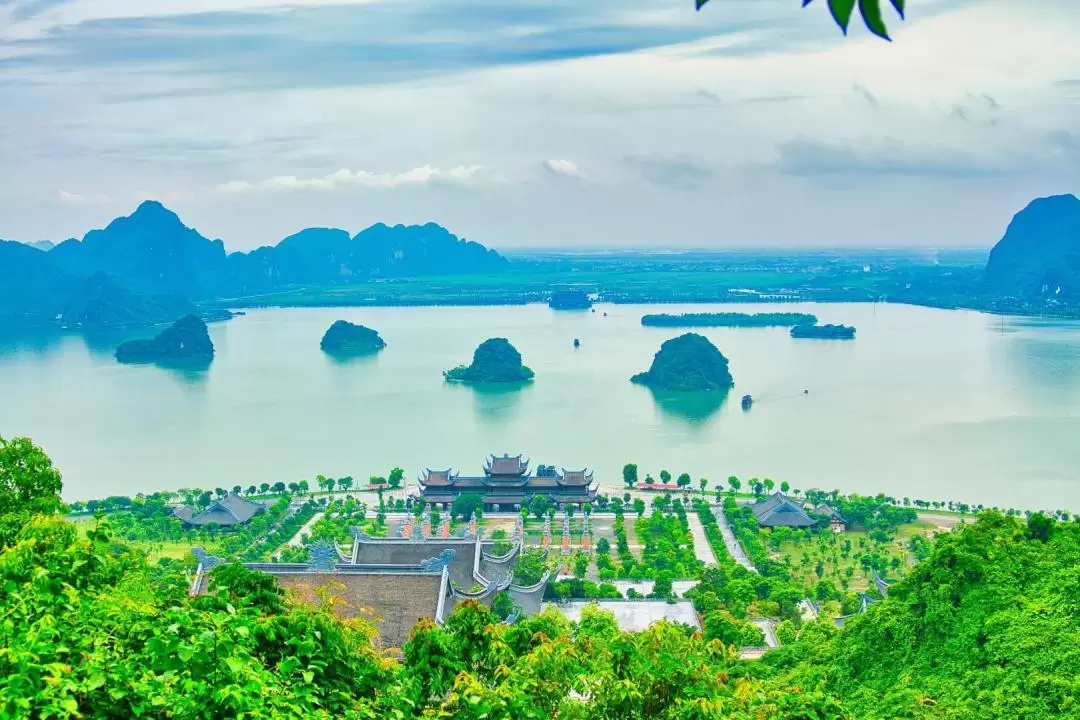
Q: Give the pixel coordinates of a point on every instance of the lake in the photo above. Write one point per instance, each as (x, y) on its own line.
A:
(925, 403)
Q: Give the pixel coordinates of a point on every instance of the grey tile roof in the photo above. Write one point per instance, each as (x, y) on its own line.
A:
(781, 511)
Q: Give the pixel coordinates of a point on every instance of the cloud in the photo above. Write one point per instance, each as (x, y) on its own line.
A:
(806, 157)
(680, 172)
(222, 45)
(983, 109)
(566, 168)
(865, 94)
(425, 175)
(70, 198)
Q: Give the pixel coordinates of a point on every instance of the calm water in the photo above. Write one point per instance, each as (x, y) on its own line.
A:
(924, 403)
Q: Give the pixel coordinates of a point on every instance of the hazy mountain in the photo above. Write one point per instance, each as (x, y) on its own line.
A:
(153, 252)
(328, 255)
(32, 288)
(1039, 256)
(150, 251)
(103, 302)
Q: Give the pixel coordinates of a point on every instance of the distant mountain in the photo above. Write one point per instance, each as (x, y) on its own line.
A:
(1039, 256)
(32, 289)
(326, 255)
(153, 252)
(150, 251)
(103, 302)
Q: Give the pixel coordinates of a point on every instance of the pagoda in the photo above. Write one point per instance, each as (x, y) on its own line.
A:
(508, 485)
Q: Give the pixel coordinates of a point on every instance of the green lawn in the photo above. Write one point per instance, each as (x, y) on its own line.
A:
(803, 556)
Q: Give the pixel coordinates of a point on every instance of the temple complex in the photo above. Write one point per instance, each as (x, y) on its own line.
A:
(507, 485)
(394, 581)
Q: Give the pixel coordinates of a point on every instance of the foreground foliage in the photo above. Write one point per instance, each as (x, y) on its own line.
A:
(987, 626)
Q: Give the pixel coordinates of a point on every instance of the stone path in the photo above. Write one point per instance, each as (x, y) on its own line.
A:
(768, 627)
(297, 539)
(702, 548)
(730, 542)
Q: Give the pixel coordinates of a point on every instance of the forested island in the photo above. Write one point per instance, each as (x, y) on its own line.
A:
(823, 332)
(494, 361)
(688, 363)
(344, 339)
(569, 300)
(185, 343)
(729, 319)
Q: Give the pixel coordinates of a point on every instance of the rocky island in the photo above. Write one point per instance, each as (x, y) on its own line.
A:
(186, 343)
(729, 319)
(345, 339)
(569, 300)
(494, 361)
(688, 363)
(823, 332)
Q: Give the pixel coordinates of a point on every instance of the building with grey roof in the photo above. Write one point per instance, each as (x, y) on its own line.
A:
(778, 510)
(226, 512)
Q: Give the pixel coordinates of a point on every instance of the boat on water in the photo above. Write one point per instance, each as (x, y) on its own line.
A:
(577, 343)
(747, 401)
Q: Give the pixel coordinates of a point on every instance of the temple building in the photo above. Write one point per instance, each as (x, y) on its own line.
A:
(228, 511)
(395, 581)
(507, 485)
(778, 510)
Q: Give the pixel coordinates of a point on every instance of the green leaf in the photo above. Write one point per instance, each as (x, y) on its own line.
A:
(871, 13)
(899, 5)
(701, 3)
(841, 11)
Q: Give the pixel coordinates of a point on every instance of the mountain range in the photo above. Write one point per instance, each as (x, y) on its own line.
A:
(148, 267)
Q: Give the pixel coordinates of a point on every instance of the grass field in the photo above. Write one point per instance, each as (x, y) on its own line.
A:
(179, 550)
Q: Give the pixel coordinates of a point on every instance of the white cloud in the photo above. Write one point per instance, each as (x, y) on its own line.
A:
(424, 175)
(70, 198)
(568, 168)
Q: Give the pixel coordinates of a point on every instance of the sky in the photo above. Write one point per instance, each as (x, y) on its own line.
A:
(539, 123)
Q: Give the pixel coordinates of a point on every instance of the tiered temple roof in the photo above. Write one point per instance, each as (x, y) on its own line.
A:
(506, 481)
(781, 511)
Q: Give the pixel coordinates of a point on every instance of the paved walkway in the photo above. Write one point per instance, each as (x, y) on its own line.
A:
(297, 539)
(768, 628)
(732, 544)
(702, 548)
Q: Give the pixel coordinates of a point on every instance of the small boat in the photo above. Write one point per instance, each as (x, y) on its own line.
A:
(577, 343)
(747, 401)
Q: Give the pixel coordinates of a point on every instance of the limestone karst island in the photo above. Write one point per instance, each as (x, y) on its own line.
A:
(344, 340)
(687, 363)
(495, 361)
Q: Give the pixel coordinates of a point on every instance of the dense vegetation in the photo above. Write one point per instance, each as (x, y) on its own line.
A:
(184, 343)
(688, 363)
(729, 319)
(569, 300)
(494, 361)
(345, 339)
(823, 332)
(985, 627)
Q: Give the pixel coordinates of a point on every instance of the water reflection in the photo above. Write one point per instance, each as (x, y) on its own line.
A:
(342, 361)
(496, 402)
(696, 408)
